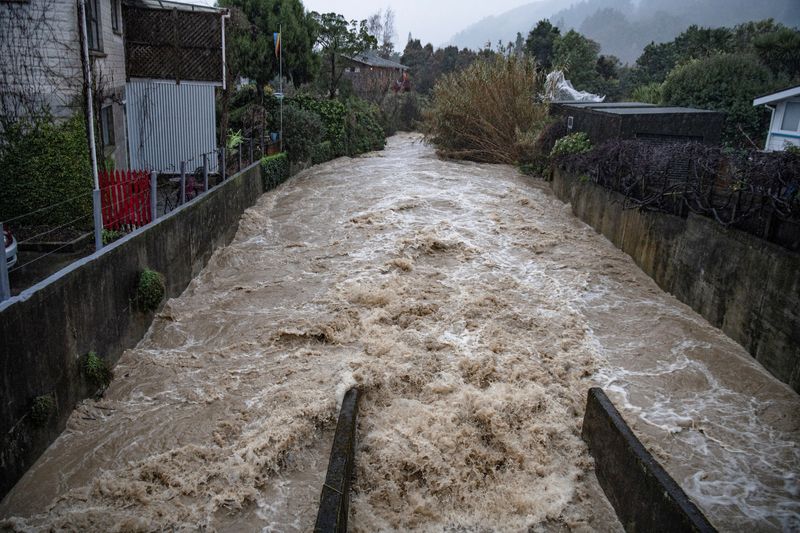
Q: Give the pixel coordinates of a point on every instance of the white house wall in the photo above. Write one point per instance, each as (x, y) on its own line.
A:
(778, 139)
(169, 123)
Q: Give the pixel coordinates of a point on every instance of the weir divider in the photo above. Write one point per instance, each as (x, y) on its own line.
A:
(334, 502)
(643, 495)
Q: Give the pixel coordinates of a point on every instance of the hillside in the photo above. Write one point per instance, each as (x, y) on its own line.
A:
(623, 27)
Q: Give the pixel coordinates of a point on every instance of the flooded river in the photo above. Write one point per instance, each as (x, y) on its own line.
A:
(475, 312)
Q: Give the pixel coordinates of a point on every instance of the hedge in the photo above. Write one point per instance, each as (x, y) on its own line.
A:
(274, 170)
(42, 164)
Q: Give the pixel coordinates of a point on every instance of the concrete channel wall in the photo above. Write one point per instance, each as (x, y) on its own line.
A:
(48, 329)
(744, 285)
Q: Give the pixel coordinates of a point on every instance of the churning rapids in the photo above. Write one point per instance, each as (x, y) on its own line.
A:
(475, 311)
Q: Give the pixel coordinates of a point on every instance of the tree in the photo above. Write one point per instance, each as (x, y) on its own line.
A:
(727, 83)
(381, 26)
(578, 56)
(540, 43)
(780, 51)
(336, 38)
(253, 45)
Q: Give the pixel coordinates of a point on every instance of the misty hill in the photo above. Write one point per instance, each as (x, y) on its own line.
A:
(624, 27)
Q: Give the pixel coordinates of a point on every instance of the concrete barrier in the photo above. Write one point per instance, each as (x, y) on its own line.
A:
(334, 502)
(746, 286)
(48, 329)
(644, 496)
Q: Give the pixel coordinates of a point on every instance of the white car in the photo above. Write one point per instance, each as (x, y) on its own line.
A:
(11, 248)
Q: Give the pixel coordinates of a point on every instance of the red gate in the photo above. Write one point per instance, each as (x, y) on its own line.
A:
(125, 199)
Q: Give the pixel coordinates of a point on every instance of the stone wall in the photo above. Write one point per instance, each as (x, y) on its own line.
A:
(48, 329)
(744, 285)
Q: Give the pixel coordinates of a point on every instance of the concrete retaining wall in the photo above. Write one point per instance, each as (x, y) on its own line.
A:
(48, 329)
(746, 286)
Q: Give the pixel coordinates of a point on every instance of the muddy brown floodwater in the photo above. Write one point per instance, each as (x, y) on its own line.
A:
(475, 311)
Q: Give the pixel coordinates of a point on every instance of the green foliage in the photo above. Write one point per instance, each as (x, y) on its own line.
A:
(235, 138)
(42, 409)
(649, 94)
(333, 114)
(274, 170)
(780, 52)
(110, 235)
(726, 83)
(575, 143)
(250, 45)
(578, 56)
(303, 131)
(363, 130)
(488, 111)
(541, 42)
(322, 152)
(401, 112)
(96, 370)
(337, 37)
(427, 66)
(150, 290)
(44, 163)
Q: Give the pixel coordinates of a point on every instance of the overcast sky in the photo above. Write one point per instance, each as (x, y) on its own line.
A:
(432, 21)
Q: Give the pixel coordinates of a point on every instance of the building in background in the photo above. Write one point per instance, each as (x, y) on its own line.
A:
(784, 128)
(372, 75)
(174, 63)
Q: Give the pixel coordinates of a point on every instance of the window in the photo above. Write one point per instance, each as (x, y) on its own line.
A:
(791, 117)
(107, 125)
(115, 25)
(93, 25)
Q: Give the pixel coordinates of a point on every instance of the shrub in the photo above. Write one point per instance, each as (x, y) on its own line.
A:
(575, 143)
(649, 94)
(96, 370)
(303, 130)
(322, 152)
(488, 111)
(363, 130)
(43, 407)
(111, 235)
(44, 163)
(726, 83)
(150, 290)
(274, 170)
(401, 112)
(538, 161)
(333, 114)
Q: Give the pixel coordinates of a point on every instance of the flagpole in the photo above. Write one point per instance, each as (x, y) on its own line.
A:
(280, 70)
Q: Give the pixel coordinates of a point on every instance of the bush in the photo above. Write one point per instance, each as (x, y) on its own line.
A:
(96, 370)
(488, 111)
(538, 161)
(575, 143)
(726, 83)
(322, 152)
(150, 290)
(333, 114)
(363, 130)
(44, 163)
(649, 94)
(43, 407)
(401, 112)
(303, 131)
(274, 170)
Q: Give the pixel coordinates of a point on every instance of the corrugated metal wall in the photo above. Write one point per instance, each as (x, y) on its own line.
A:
(169, 123)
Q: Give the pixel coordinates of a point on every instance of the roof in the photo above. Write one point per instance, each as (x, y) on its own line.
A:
(169, 5)
(778, 96)
(374, 60)
(632, 108)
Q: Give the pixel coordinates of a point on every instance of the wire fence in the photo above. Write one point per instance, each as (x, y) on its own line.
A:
(47, 238)
(756, 192)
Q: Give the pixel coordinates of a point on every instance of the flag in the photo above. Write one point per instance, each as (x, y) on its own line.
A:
(277, 37)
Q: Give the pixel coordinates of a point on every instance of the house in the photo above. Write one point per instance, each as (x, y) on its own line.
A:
(784, 128)
(41, 67)
(603, 121)
(155, 66)
(373, 75)
(174, 62)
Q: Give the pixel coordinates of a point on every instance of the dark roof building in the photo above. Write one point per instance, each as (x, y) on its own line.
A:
(637, 120)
